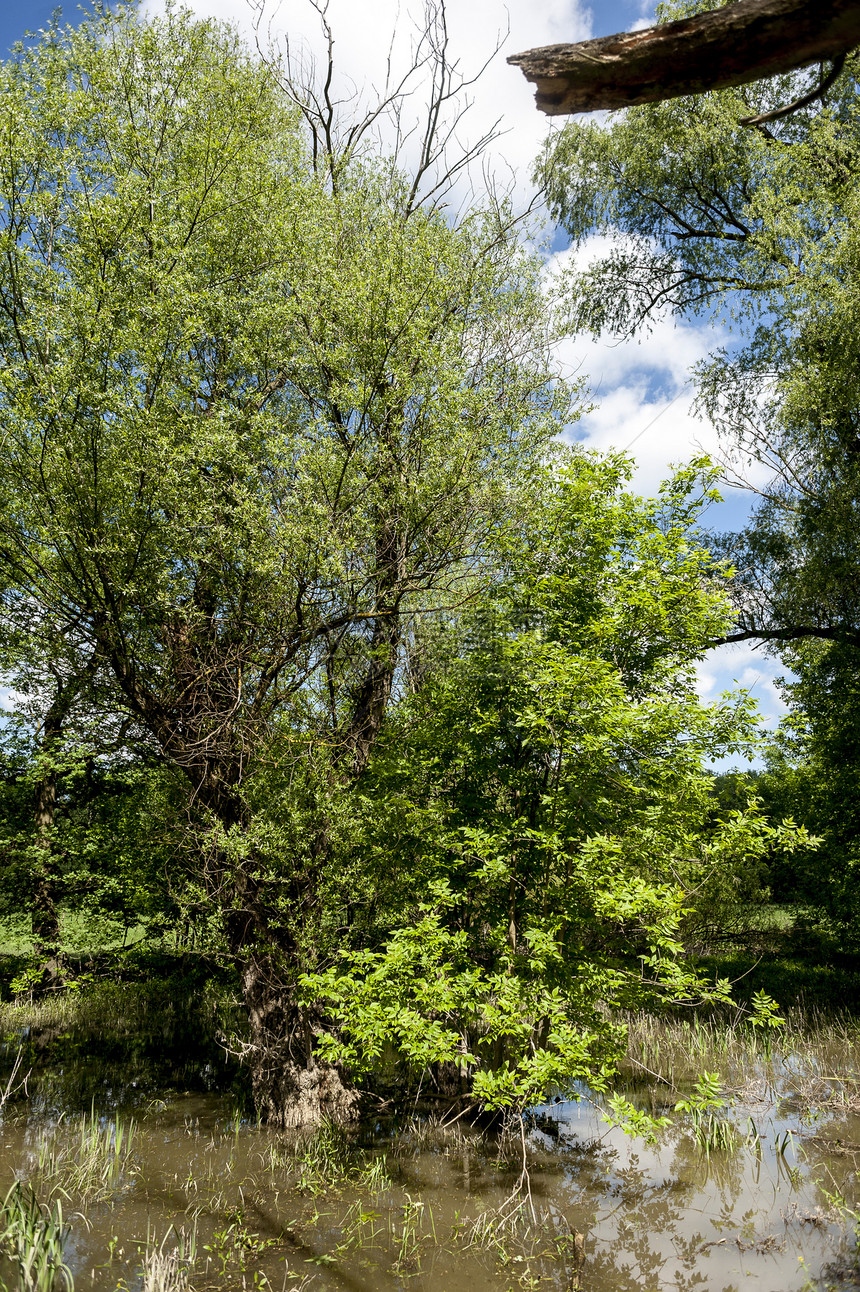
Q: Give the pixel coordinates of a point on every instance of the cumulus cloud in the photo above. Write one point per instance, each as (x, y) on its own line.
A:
(747, 668)
(642, 385)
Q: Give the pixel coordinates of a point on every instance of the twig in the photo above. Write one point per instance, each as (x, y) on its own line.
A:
(11, 1087)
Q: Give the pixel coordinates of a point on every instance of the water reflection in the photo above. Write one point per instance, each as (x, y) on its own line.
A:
(419, 1207)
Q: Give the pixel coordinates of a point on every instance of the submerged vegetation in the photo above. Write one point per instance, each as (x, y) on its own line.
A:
(180, 1190)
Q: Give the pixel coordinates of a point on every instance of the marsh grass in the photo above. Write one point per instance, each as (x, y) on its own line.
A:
(164, 1271)
(324, 1160)
(404, 1227)
(814, 1055)
(91, 1161)
(167, 1264)
(525, 1244)
(33, 1239)
(706, 1109)
(15, 1081)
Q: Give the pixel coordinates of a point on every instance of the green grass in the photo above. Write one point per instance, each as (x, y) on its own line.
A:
(81, 933)
(33, 1237)
(107, 1011)
(824, 1047)
(791, 980)
(90, 1160)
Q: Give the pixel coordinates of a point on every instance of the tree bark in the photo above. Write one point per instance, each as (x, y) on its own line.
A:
(848, 636)
(291, 1086)
(45, 919)
(744, 41)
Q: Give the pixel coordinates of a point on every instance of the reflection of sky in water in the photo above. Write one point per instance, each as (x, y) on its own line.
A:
(667, 1216)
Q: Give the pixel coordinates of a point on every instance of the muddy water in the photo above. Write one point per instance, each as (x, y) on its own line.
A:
(436, 1208)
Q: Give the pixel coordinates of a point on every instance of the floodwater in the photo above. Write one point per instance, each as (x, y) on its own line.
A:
(164, 1186)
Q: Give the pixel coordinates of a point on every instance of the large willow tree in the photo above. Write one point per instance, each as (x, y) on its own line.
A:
(257, 414)
(754, 227)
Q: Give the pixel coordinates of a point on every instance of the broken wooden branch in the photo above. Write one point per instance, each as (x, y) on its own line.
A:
(744, 41)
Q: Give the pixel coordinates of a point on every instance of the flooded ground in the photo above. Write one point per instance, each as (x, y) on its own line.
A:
(163, 1185)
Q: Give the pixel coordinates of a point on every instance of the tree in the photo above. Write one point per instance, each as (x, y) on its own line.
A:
(759, 228)
(726, 45)
(258, 414)
(538, 820)
(271, 424)
(110, 858)
(813, 768)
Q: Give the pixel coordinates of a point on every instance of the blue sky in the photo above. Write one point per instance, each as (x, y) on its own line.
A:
(641, 387)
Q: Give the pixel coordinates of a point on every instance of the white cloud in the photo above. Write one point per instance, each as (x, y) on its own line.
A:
(742, 666)
(747, 666)
(644, 396)
(362, 33)
(10, 700)
(643, 385)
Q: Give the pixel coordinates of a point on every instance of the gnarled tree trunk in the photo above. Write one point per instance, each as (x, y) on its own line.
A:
(740, 42)
(292, 1087)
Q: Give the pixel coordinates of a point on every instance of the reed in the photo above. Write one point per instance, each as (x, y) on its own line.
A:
(92, 1160)
(167, 1264)
(33, 1237)
(706, 1110)
(815, 1054)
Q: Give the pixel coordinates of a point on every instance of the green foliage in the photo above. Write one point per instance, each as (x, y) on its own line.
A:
(115, 839)
(634, 1121)
(328, 644)
(758, 229)
(704, 1108)
(34, 1236)
(538, 818)
(270, 421)
(813, 770)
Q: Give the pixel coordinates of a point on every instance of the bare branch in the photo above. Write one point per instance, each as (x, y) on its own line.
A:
(339, 127)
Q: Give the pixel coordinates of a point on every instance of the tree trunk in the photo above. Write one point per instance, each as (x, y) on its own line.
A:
(45, 921)
(291, 1086)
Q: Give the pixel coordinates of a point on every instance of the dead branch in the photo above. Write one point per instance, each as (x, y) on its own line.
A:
(744, 41)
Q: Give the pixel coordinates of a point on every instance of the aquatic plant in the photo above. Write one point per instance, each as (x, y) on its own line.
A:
(14, 1081)
(166, 1265)
(33, 1237)
(705, 1107)
(318, 1160)
(825, 1050)
(374, 1176)
(92, 1164)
